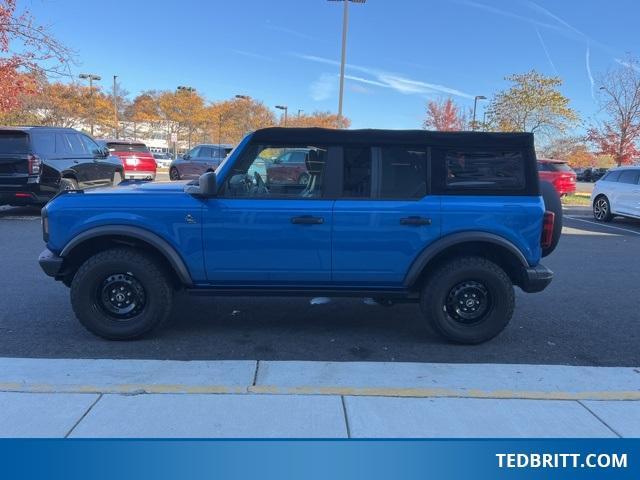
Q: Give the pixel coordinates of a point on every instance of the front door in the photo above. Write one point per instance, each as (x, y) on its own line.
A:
(628, 192)
(258, 233)
(385, 217)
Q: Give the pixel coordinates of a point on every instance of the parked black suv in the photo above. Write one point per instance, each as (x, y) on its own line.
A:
(38, 162)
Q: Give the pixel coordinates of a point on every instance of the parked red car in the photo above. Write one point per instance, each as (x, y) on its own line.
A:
(136, 158)
(559, 174)
(289, 167)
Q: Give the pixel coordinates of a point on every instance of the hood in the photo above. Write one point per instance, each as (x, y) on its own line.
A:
(140, 188)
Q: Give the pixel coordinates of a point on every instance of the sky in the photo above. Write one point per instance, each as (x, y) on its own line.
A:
(400, 53)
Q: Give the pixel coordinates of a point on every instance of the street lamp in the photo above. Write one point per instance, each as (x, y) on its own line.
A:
(115, 107)
(345, 26)
(299, 112)
(286, 111)
(246, 117)
(243, 97)
(91, 77)
(475, 104)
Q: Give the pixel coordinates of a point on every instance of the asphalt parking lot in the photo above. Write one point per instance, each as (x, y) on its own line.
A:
(588, 316)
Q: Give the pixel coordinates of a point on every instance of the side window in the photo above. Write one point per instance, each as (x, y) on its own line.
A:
(260, 173)
(404, 172)
(205, 153)
(63, 147)
(90, 146)
(612, 176)
(357, 173)
(77, 147)
(488, 170)
(44, 143)
(194, 152)
(629, 176)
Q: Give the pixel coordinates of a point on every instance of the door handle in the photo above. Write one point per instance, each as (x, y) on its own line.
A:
(307, 220)
(415, 221)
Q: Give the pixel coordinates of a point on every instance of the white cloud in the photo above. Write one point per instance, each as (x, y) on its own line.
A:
(627, 64)
(588, 64)
(323, 87)
(546, 51)
(384, 79)
(251, 54)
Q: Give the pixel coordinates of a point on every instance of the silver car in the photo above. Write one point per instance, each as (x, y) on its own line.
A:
(200, 159)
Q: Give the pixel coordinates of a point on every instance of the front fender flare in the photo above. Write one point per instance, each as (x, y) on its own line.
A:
(169, 253)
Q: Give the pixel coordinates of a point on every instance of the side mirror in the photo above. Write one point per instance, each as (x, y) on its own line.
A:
(207, 186)
(102, 152)
(186, 156)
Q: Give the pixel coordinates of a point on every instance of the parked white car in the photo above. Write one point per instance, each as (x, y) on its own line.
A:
(617, 193)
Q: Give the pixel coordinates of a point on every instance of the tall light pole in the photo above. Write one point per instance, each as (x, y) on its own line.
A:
(246, 117)
(345, 27)
(475, 104)
(91, 77)
(189, 91)
(286, 111)
(115, 106)
(299, 112)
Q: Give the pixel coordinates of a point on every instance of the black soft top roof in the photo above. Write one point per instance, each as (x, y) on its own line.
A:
(375, 137)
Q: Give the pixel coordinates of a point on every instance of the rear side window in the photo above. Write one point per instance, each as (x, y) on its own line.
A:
(44, 143)
(404, 172)
(205, 153)
(357, 173)
(77, 147)
(629, 176)
(14, 142)
(486, 170)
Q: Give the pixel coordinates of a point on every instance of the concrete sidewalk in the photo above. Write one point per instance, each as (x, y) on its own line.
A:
(152, 398)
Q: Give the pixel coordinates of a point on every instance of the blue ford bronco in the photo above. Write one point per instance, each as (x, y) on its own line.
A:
(452, 220)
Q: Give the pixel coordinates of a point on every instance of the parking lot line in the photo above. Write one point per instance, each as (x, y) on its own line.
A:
(602, 225)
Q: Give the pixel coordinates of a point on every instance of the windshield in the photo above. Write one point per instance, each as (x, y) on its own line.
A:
(127, 147)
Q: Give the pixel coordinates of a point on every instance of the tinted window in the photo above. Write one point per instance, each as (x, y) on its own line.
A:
(14, 142)
(629, 176)
(357, 172)
(205, 153)
(90, 146)
(127, 147)
(77, 147)
(261, 173)
(612, 176)
(404, 173)
(44, 142)
(194, 152)
(484, 170)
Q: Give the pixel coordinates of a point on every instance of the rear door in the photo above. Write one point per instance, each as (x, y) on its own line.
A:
(628, 192)
(385, 216)
(14, 159)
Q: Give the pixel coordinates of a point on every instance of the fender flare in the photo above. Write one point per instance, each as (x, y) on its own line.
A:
(169, 253)
(442, 244)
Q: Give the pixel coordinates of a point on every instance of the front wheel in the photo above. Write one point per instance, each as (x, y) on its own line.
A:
(117, 179)
(121, 294)
(174, 174)
(468, 300)
(602, 209)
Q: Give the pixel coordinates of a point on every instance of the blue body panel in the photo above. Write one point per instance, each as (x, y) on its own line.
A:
(252, 242)
(517, 219)
(371, 247)
(159, 208)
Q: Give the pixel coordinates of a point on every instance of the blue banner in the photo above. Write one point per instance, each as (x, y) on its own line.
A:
(319, 459)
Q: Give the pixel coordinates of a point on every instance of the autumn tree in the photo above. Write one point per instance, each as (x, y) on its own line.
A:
(230, 120)
(619, 97)
(533, 103)
(316, 119)
(182, 112)
(28, 51)
(444, 115)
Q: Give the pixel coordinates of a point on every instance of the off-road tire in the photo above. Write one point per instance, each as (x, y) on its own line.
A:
(439, 285)
(88, 283)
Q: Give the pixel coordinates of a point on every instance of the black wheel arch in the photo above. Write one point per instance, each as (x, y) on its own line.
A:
(487, 245)
(97, 239)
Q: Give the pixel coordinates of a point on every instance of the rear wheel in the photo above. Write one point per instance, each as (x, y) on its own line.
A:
(121, 294)
(174, 174)
(602, 209)
(468, 300)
